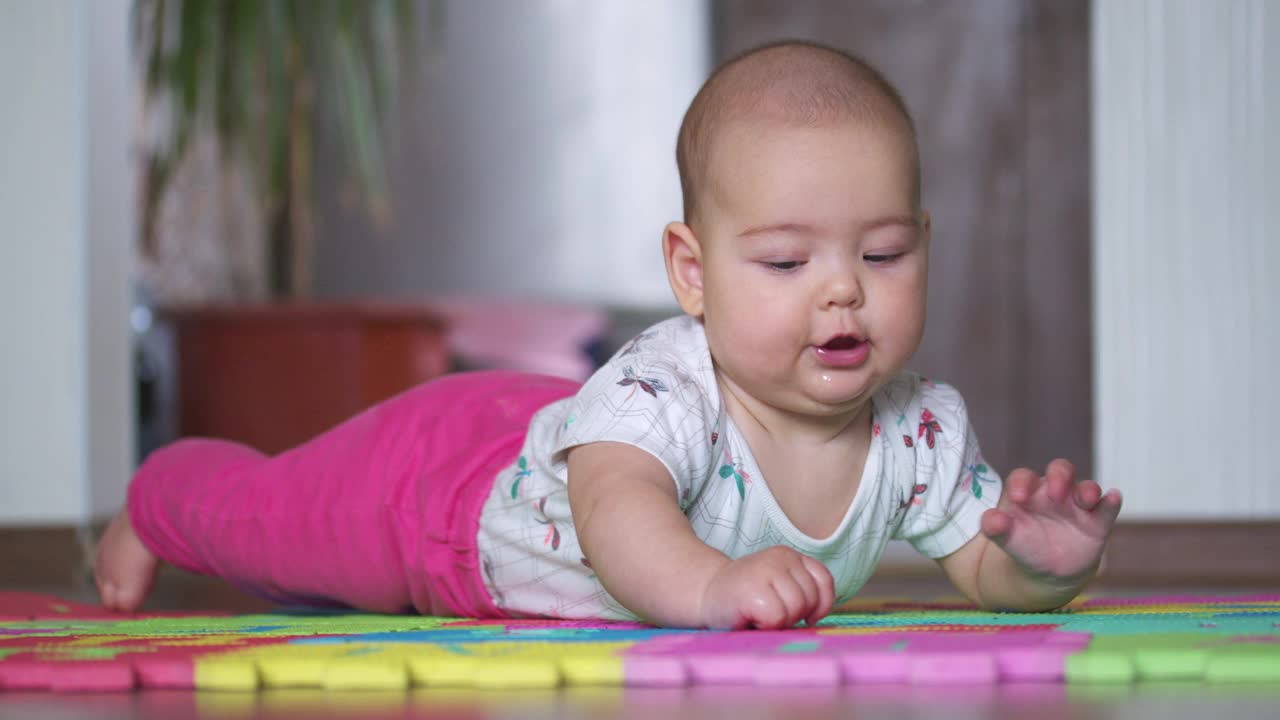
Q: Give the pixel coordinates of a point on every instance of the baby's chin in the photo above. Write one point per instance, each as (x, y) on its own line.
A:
(802, 391)
(834, 393)
(832, 406)
(819, 400)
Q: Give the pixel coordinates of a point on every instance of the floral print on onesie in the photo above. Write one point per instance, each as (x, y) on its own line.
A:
(924, 480)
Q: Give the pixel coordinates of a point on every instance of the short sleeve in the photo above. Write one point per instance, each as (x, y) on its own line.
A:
(655, 402)
(953, 485)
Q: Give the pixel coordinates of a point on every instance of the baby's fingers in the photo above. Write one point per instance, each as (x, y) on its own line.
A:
(1108, 508)
(1020, 485)
(826, 590)
(1087, 494)
(808, 587)
(765, 610)
(1058, 480)
(997, 525)
(795, 599)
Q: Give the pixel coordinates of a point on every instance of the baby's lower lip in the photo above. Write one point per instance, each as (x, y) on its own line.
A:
(843, 357)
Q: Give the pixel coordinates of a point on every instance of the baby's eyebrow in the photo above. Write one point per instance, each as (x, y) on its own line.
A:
(911, 221)
(795, 228)
(778, 228)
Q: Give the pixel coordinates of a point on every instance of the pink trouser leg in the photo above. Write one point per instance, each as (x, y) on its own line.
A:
(379, 513)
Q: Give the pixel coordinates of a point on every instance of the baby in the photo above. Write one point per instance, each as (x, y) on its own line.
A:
(743, 465)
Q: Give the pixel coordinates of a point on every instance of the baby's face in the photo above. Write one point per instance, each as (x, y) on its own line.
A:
(815, 263)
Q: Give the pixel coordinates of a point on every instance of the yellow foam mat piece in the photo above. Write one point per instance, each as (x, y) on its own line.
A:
(367, 672)
(517, 665)
(386, 666)
(227, 672)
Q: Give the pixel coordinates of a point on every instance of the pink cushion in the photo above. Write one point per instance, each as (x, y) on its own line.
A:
(522, 335)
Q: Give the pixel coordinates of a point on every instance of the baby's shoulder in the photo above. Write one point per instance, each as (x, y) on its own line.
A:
(656, 393)
(671, 353)
(678, 339)
(909, 388)
(665, 371)
(912, 399)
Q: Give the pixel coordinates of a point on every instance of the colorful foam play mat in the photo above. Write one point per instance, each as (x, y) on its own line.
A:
(51, 644)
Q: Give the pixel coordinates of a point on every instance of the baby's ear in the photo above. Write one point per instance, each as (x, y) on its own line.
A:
(683, 256)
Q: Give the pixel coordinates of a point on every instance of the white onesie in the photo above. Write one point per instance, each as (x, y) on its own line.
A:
(924, 480)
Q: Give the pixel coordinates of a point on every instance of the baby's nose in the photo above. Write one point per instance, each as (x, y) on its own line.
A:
(842, 291)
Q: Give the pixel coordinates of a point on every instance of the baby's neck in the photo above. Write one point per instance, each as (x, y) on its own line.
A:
(811, 465)
(784, 427)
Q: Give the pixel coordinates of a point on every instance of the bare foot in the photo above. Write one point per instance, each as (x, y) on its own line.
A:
(124, 569)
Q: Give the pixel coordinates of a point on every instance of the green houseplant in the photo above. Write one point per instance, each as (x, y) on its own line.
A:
(260, 76)
(269, 81)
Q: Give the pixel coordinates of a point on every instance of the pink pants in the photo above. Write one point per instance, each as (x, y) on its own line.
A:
(380, 513)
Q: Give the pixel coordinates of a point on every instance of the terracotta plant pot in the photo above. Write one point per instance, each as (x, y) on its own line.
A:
(274, 375)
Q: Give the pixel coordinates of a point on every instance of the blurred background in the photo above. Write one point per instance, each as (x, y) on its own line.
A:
(253, 219)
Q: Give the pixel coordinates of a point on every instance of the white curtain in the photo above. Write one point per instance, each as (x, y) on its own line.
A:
(1187, 255)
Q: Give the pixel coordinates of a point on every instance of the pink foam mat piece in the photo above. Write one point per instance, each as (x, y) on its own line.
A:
(92, 676)
(876, 667)
(20, 674)
(722, 669)
(952, 667)
(754, 642)
(800, 658)
(1044, 663)
(654, 671)
(69, 676)
(1069, 639)
(969, 642)
(797, 670)
(165, 670)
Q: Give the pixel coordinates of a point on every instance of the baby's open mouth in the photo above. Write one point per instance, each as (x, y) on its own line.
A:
(841, 342)
(843, 351)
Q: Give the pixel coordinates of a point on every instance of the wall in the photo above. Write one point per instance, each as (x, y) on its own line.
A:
(65, 420)
(42, 261)
(1187, 159)
(112, 207)
(535, 157)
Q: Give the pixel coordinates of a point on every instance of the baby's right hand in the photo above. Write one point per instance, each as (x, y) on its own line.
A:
(771, 589)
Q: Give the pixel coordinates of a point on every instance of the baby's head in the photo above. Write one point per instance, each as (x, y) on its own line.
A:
(795, 84)
(804, 248)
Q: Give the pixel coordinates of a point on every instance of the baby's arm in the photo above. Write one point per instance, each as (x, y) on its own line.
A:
(644, 551)
(1041, 546)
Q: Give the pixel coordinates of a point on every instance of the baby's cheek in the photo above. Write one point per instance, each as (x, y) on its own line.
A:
(768, 330)
(742, 349)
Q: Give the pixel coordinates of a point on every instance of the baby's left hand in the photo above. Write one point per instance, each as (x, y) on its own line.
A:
(1054, 527)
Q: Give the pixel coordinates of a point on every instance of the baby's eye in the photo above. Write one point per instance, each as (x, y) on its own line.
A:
(784, 265)
(882, 258)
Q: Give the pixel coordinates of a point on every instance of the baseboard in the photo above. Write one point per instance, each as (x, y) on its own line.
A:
(44, 556)
(1178, 553)
(1165, 552)
(1173, 552)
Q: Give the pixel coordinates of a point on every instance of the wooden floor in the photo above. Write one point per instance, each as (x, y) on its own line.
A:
(177, 591)
(1013, 702)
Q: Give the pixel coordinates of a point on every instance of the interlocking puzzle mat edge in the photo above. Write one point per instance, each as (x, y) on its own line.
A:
(50, 644)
